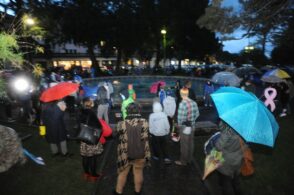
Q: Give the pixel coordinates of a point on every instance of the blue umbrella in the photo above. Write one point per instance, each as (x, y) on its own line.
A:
(90, 91)
(245, 113)
(77, 79)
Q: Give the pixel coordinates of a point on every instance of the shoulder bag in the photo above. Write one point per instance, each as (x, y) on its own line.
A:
(89, 134)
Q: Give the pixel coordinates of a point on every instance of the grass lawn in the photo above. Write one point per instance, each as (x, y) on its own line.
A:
(274, 168)
(60, 175)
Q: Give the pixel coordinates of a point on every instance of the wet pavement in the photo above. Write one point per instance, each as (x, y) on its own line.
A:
(159, 179)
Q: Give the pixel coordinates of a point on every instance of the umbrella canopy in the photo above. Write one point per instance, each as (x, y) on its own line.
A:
(90, 92)
(226, 78)
(277, 73)
(242, 71)
(154, 86)
(78, 79)
(275, 76)
(245, 113)
(58, 91)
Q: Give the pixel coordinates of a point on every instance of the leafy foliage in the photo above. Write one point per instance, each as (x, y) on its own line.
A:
(9, 49)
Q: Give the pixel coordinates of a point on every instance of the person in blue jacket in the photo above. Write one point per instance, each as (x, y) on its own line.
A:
(208, 89)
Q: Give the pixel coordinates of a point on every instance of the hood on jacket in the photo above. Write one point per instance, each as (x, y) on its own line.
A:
(157, 107)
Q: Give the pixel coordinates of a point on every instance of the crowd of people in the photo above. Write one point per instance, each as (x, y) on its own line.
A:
(139, 139)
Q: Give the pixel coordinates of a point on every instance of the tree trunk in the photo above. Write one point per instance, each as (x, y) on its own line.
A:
(92, 56)
(180, 64)
(157, 59)
(118, 59)
(263, 43)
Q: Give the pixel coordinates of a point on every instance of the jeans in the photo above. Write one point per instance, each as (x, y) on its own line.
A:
(102, 111)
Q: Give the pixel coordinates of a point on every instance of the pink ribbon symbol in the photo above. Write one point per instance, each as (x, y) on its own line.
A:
(270, 94)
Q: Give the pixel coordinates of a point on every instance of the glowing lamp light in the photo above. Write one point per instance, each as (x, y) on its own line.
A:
(116, 82)
(163, 31)
(21, 84)
(29, 21)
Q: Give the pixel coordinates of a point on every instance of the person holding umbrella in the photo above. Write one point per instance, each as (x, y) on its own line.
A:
(52, 116)
(243, 115)
(228, 173)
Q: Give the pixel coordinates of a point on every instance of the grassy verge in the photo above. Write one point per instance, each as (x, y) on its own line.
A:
(60, 175)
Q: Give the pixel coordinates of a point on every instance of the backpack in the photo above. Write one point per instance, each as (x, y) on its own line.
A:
(136, 146)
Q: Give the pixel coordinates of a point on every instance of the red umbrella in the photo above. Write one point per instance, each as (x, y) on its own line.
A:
(59, 91)
(154, 86)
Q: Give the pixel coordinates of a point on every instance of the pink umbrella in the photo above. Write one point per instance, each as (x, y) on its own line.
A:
(154, 86)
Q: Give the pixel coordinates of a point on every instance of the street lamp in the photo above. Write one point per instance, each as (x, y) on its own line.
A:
(28, 20)
(163, 32)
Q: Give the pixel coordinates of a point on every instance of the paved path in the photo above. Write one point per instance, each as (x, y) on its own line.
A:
(159, 179)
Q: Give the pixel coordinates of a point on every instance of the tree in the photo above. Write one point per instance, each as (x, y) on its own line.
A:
(191, 41)
(257, 17)
(255, 57)
(284, 42)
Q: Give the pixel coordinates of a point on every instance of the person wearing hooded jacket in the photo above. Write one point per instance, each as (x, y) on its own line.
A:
(102, 98)
(159, 128)
(228, 174)
(169, 107)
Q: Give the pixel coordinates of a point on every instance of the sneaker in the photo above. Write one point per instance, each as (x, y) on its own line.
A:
(167, 161)
(155, 158)
(283, 114)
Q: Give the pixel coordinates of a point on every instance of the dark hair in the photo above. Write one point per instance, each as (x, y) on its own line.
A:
(88, 103)
(134, 108)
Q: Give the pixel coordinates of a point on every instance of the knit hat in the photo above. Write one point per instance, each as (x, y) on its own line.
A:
(184, 92)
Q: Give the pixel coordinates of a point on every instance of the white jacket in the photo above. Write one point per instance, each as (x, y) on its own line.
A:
(169, 105)
(158, 122)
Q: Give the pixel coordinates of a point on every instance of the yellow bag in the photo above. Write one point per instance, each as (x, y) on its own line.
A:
(42, 130)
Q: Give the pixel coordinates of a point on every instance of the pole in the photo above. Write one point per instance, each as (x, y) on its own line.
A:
(164, 49)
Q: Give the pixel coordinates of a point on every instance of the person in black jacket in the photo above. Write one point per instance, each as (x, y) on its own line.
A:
(52, 118)
(89, 152)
